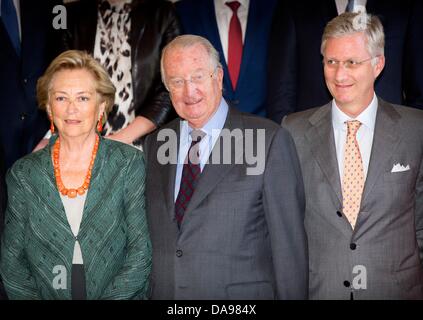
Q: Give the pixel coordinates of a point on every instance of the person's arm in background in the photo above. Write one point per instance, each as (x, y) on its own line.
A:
(413, 58)
(158, 109)
(282, 63)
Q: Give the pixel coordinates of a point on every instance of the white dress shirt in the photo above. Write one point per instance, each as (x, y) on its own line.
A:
(364, 134)
(341, 5)
(212, 129)
(223, 18)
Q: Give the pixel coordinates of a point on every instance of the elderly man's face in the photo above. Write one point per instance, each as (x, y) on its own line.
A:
(351, 86)
(195, 86)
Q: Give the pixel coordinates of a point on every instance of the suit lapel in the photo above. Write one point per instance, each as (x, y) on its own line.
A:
(385, 142)
(251, 35)
(211, 29)
(213, 173)
(55, 202)
(321, 138)
(322, 141)
(6, 43)
(95, 192)
(168, 173)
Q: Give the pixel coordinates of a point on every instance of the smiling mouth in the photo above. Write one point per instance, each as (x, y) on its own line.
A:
(343, 86)
(72, 121)
(190, 103)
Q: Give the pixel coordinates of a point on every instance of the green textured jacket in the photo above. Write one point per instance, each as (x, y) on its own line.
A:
(37, 244)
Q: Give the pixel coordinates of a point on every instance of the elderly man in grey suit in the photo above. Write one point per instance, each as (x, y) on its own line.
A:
(222, 226)
(361, 160)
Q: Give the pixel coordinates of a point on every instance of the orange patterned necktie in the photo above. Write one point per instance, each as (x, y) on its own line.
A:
(353, 180)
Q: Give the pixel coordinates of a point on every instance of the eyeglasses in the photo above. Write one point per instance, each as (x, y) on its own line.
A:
(198, 78)
(347, 64)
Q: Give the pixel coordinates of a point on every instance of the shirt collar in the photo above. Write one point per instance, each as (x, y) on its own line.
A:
(367, 117)
(216, 122)
(220, 4)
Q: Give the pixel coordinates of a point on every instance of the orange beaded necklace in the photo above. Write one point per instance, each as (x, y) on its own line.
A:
(71, 193)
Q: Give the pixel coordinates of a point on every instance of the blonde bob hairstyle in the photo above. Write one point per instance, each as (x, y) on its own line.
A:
(75, 60)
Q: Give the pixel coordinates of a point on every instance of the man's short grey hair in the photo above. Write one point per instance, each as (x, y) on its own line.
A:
(349, 23)
(186, 41)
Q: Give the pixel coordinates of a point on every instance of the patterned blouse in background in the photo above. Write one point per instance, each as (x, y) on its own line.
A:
(113, 51)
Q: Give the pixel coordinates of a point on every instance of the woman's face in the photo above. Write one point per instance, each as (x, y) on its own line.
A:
(74, 103)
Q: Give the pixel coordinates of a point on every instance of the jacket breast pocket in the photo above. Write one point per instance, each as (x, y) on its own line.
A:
(398, 177)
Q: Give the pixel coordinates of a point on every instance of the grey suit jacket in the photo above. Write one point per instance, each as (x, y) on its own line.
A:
(242, 236)
(382, 252)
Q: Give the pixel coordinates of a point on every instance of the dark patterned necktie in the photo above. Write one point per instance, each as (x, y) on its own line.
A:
(190, 175)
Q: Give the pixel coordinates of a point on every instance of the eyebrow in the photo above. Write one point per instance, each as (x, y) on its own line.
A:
(79, 92)
(196, 70)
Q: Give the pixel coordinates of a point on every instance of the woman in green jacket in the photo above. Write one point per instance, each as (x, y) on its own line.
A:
(75, 224)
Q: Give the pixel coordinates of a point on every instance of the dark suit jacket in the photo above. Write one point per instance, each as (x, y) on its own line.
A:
(3, 193)
(388, 237)
(199, 17)
(2, 209)
(22, 124)
(153, 25)
(296, 80)
(242, 236)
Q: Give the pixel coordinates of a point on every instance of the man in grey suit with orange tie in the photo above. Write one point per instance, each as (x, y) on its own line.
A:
(225, 199)
(361, 160)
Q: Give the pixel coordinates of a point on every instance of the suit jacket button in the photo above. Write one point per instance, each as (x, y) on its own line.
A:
(339, 213)
(23, 115)
(347, 284)
(179, 253)
(353, 246)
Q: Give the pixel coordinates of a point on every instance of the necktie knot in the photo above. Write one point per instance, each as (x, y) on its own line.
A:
(197, 135)
(234, 5)
(353, 127)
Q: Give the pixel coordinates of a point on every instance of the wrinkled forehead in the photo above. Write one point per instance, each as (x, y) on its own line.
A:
(190, 57)
(73, 82)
